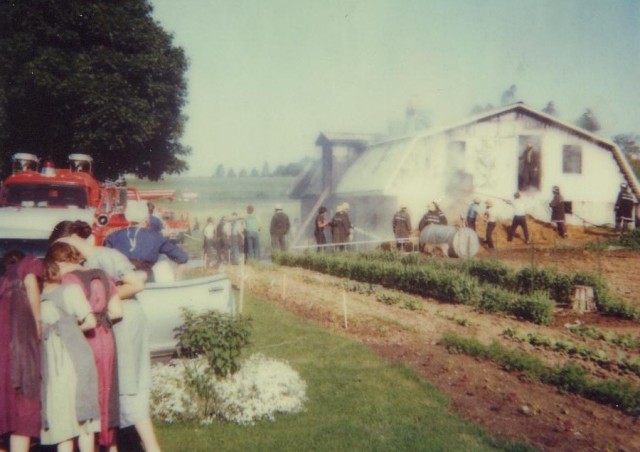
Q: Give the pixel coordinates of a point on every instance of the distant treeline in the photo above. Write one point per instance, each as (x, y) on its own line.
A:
(290, 169)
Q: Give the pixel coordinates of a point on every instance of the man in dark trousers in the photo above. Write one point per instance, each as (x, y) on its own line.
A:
(557, 212)
(530, 168)
(280, 226)
(519, 218)
(341, 226)
(472, 213)
(624, 208)
(401, 225)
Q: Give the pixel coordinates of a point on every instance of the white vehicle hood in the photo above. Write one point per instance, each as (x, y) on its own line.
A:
(37, 222)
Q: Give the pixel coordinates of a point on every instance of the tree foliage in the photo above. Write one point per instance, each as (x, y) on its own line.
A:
(102, 78)
(509, 96)
(550, 109)
(588, 121)
(220, 171)
(629, 144)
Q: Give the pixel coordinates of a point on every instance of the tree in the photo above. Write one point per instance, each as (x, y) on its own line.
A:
(629, 144)
(96, 77)
(265, 170)
(550, 109)
(231, 173)
(588, 121)
(220, 170)
(254, 173)
(509, 96)
(242, 173)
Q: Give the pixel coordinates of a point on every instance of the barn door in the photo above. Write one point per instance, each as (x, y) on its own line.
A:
(529, 162)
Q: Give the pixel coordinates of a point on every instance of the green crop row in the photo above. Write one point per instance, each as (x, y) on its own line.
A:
(622, 395)
(526, 282)
(626, 341)
(623, 362)
(433, 281)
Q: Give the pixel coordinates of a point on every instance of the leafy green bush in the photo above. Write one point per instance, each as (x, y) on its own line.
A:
(631, 239)
(219, 337)
(495, 299)
(536, 307)
(492, 272)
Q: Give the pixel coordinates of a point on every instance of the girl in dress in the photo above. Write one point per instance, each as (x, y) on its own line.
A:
(20, 350)
(70, 408)
(102, 296)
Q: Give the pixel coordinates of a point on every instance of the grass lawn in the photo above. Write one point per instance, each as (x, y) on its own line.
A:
(357, 401)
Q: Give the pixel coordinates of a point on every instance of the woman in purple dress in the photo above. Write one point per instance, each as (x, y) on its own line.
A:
(20, 350)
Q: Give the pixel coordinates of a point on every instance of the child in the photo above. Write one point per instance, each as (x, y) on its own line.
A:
(70, 381)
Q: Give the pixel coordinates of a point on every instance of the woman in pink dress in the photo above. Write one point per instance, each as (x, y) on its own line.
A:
(101, 293)
(20, 350)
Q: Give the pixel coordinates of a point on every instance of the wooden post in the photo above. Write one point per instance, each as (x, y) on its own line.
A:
(583, 299)
(344, 310)
(284, 286)
(241, 301)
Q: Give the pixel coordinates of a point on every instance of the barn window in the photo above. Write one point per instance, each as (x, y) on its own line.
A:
(571, 159)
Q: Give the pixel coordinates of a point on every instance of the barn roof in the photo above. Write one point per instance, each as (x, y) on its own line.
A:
(382, 160)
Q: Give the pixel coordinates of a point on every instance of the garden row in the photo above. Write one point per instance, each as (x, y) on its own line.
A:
(622, 362)
(529, 293)
(622, 395)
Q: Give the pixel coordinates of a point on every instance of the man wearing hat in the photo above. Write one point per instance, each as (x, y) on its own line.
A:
(557, 211)
(341, 226)
(472, 213)
(624, 208)
(519, 218)
(280, 226)
(433, 216)
(490, 218)
(401, 225)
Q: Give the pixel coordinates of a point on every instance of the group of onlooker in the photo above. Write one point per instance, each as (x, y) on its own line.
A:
(74, 352)
(232, 237)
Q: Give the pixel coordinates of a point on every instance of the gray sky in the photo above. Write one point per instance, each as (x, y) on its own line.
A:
(266, 76)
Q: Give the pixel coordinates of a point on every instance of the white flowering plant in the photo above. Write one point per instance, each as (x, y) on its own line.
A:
(187, 390)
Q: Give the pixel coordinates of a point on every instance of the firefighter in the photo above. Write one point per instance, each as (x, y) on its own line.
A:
(433, 216)
(472, 213)
(280, 226)
(401, 225)
(624, 208)
(558, 212)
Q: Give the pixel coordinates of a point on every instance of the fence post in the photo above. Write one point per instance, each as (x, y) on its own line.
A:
(344, 310)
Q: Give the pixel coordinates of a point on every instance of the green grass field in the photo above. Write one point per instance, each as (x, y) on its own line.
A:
(357, 401)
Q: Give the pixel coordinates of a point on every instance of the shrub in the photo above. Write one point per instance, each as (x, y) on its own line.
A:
(495, 299)
(216, 336)
(536, 307)
(492, 272)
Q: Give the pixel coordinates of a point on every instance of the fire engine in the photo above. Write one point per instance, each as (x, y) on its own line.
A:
(34, 198)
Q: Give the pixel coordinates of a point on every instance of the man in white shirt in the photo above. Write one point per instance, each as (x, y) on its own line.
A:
(519, 218)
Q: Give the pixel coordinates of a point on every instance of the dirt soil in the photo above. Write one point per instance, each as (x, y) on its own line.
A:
(507, 404)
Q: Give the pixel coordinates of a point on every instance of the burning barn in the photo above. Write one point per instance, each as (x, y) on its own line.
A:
(490, 156)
